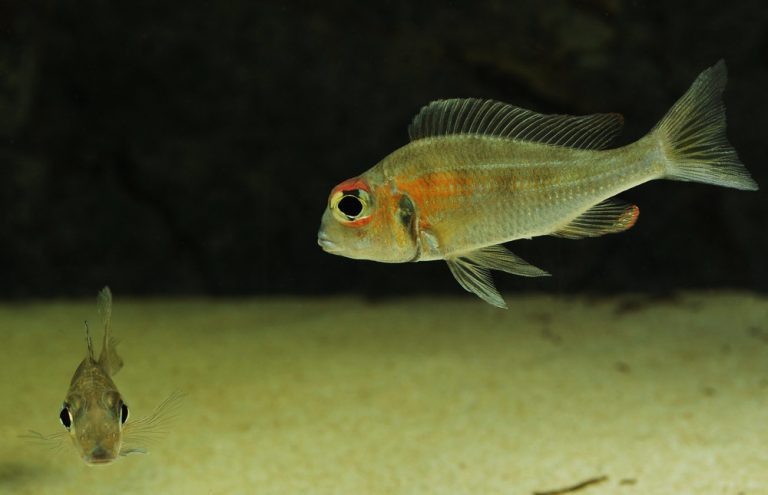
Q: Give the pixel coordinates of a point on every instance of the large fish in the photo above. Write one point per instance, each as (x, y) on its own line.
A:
(479, 173)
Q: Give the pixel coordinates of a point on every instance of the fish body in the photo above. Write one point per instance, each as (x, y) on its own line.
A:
(96, 406)
(520, 191)
(479, 173)
(94, 412)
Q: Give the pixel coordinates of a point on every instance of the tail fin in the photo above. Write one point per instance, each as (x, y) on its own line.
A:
(692, 136)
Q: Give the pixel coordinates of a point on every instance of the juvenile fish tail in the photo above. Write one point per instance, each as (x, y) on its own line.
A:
(692, 136)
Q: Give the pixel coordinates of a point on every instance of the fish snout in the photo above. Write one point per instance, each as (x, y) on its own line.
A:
(325, 242)
(99, 455)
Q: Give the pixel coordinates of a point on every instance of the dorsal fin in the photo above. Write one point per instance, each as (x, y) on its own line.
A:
(89, 342)
(473, 116)
(108, 357)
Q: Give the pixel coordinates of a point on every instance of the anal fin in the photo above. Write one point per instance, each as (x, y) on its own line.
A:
(473, 271)
(608, 217)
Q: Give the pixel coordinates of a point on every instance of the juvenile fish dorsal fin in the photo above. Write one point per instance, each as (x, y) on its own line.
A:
(108, 357)
(473, 271)
(474, 116)
(89, 342)
(608, 217)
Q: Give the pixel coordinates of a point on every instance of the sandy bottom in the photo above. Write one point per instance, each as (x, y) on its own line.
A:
(444, 396)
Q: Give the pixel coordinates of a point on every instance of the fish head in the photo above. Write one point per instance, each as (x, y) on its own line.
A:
(366, 219)
(95, 424)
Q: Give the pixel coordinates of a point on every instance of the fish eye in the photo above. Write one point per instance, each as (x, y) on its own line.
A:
(65, 416)
(123, 412)
(350, 205)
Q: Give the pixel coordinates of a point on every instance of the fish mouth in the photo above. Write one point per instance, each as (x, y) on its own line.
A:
(328, 245)
(99, 460)
(99, 456)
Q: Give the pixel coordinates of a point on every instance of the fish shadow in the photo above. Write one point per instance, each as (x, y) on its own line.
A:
(14, 474)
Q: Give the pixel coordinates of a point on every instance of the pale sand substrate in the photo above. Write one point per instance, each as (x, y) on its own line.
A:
(422, 396)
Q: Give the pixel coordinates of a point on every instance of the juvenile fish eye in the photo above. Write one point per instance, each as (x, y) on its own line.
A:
(93, 411)
(123, 412)
(65, 417)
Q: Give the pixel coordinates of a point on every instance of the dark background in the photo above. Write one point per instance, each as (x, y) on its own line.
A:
(189, 147)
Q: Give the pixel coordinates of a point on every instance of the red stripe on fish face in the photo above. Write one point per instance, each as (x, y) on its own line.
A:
(359, 222)
(353, 187)
(350, 185)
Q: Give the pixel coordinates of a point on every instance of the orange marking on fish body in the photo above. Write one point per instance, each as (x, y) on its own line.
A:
(438, 184)
(431, 191)
(630, 217)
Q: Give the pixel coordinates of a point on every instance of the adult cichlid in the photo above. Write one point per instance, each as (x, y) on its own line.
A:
(479, 173)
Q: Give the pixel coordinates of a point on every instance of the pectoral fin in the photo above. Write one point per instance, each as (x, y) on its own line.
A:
(608, 217)
(473, 271)
(126, 452)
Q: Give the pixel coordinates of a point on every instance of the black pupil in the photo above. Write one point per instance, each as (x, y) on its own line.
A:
(123, 413)
(64, 417)
(350, 206)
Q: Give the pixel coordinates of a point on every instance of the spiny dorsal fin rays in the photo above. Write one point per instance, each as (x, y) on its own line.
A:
(89, 342)
(472, 116)
(473, 271)
(608, 217)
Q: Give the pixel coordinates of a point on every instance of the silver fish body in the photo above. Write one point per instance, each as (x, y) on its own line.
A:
(479, 173)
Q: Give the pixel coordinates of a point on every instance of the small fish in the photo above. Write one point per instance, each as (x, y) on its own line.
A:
(479, 173)
(94, 413)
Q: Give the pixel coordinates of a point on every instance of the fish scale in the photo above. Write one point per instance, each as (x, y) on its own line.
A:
(519, 192)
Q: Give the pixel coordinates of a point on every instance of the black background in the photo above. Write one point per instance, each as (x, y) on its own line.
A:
(189, 147)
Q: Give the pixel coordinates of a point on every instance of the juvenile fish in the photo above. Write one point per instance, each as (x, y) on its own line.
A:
(94, 412)
(479, 173)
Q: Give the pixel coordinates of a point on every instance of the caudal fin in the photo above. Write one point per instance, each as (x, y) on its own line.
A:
(692, 136)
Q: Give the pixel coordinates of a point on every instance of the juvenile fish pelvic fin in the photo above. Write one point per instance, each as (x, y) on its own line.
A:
(692, 136)
(473, 271)
(608, 217)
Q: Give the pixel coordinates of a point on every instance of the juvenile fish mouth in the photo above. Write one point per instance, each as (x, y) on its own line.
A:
(99, 459)
(99, 455)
